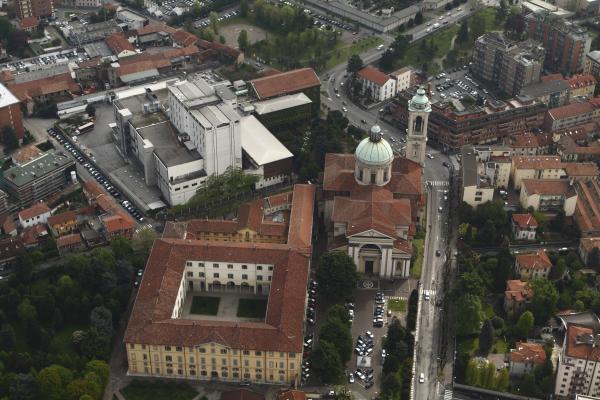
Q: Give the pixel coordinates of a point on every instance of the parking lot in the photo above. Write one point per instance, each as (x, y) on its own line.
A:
(457, 83)
(205, 22)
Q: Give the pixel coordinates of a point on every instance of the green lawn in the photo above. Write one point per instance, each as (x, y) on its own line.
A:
(397, 305)
(151, 390)
(342, 52)
(468, 346)
(500, 347)
(62, 342)
(415, 269)
(205, 305)
(252, 308)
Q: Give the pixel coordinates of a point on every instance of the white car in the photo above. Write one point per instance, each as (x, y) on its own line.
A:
(350, 377)
(422, 378)
(344, 109)
(430, 156)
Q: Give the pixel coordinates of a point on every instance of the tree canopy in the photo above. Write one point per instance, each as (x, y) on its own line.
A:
(336, 275)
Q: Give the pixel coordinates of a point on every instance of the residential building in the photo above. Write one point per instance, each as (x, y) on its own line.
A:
(530, 144)
(587, 248)
(572, 150)
(36, 214)
(404, 78)
(569, 116)
(453, 124)
(117, 225)
(517, 296)
(582, 85)
(39, 178)
(525, 357)
(524, 226)
(3, 202)
(119, 45)
(303, 80)
(174, 343)
(533, 265)
(34, 8)
(494, 162)
(565, 42)
(11, 248)
(582, 171)
(536, 167)
(587, 212)
(290, 394)
(376, 85)
(69, 243)
(508, 65)
(477, 188)
(577, 370)
(8, 225)
(553, 93)
(10, 112)
(34, 236)
(28, 24)
(63, 223)
(371, 204)
(548, 195)
(592, 64)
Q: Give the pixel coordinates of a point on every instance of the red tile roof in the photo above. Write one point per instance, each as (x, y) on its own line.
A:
(537, 162)
(28, 23)
(285, 83)
(27, 91)
(33, 211)
(588, 169)
(537, 260)
(517, 290)
(241, 394)
(581, 80)
(374, 75)
(116, 223)
(290, 394)
(27, 153)
(548, 187)
(68, 240)
(530, 140)
(32, 234)
(588, 244)
(575, 345)
(61, 218)
(118, 43)
(524, 221)
(151, 320)
(154, 28)
(528, 353)
(11, 248)
(587, 210)
(570, 110)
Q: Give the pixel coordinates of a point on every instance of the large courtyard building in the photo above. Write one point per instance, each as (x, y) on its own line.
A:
(232, 261)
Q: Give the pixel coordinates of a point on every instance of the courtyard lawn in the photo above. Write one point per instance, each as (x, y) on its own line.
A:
(397, 305)
(205, 305)
(156, 390)
(415, 269)
(252, 308)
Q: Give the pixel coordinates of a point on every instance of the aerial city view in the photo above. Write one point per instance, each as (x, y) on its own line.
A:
(300, 199)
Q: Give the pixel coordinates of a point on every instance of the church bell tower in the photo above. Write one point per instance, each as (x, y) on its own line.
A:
(419, 108)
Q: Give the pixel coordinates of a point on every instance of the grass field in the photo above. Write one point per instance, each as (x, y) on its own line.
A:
(500, 347)
(468, 345)
(148, 390)
(415, 269)
(252, 308)
(397, 305)
(343, 51)
(205, 305)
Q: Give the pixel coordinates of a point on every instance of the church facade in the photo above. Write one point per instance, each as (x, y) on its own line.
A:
(372, 199)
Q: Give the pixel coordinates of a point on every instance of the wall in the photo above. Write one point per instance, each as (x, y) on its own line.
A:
(474, 196)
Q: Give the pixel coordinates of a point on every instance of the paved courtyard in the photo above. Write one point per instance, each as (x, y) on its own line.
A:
(228, 306)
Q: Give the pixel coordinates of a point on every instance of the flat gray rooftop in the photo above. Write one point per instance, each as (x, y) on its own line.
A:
(135, 104)
(469, 166)
(43, 165)
(164, 138)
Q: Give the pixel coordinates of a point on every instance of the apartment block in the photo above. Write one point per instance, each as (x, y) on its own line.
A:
(376, 84)
(10, 112)
(476, 187)
(548, 195)
(587, 212)
(34, 8)
(536, 167)
(592, 64)
(508, 65)
(565, 42)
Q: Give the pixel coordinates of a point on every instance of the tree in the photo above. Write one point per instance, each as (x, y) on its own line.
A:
(244, 8)
(463, 32)
(8, 337)
(545, 296)
(473, 374)
(477, 26)
(524, 324)
(326, 362)
(502, 380)
(243, 40)
(81, 387)
(90, 109)
(100, 368)
(419, 18)
(488, 375)
(214, 21)
(143, 239)
(121, 248)
(486, 337)
(101, 319)
(9, 139)
(53, 381)
(336, 275)
(355, 64)
(338, 333)
(469, 315)
(26, 311)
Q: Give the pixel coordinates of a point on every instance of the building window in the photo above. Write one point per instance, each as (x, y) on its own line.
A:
(259, 277)
(215, 265)
(168, 358)
(189, 263)
(201, 350)
(270, 268)
(223, 351)
(244, 276)
(230, 276)
(167, 348)
(258, 353)
(215, 275)
(373, 178)
(259, 267)
(190, 273)
(244, 267)
(246, 352)
(229, 266)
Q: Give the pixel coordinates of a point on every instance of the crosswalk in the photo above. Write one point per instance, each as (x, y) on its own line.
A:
(447, 394)
(438, 183)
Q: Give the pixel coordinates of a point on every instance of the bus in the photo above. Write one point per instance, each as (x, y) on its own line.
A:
(84, 128)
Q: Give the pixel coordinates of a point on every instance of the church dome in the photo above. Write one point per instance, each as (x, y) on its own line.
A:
(419, 101)
(374, 150)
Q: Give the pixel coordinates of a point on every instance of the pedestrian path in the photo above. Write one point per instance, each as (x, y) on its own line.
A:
(438, 183)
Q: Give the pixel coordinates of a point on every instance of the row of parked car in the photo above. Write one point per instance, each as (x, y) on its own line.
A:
(312, 302)
(379, 310)
(96, 174)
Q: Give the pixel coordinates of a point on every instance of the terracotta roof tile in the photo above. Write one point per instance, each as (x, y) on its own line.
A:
(118, 43)
(517, 290)
(27, 153)
(582, 169)
(241, 394)
(374, 75)
(116, 223)
(537, 260)
(524, 221)
(574, 346)
(528, 353)
(537, 162)
(33, 211)
(581, 80)
(58, 83)
(61, 218)
(68, 240)
(587, 210)
(11, 248)
(290, 394)
(570, 110)
(32, 234)
(285, 83)
(29, 22)
(548, 187)
(588, 244)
